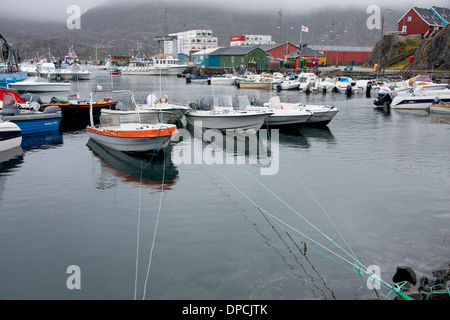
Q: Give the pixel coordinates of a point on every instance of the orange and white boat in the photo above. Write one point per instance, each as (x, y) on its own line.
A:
(131, 136)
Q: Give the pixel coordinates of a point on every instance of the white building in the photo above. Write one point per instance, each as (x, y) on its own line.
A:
(191, 40)
(250, 39)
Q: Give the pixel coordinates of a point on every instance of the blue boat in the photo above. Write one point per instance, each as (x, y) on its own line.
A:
(31, 121)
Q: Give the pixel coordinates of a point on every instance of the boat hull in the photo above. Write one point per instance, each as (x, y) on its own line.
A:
(283, 118)
(36, 123)
(136, 140)
(440, 108)
(238, 121)
(50, 87)
(255, 85)
(10, 136)
(416, 103)
(79, 113)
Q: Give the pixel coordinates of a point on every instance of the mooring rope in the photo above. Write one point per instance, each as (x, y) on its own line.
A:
(355, 266)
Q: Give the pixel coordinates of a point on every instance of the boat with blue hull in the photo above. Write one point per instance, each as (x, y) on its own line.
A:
(30, 121)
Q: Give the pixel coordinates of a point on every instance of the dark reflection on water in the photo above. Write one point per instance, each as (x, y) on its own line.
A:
(154, 170)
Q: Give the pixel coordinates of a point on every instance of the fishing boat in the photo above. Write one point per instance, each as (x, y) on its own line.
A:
(76, 111)
(280, 117)
(128, 137)
(10, 135)
(290, 83)
(30, 121)
(321, 114)
(38, 84)
(221, 115)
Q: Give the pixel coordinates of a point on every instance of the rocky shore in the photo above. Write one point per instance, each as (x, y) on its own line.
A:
(437, 288)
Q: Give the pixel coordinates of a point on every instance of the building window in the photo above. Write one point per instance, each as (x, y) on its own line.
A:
(409, 18)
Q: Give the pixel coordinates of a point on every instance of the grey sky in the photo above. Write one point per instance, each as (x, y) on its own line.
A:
(57, 10)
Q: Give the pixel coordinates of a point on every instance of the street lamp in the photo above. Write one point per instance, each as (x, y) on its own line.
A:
(381, 39)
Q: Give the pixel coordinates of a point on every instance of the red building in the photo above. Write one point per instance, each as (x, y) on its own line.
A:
(344, 55)
(423, 21)
(279, 51)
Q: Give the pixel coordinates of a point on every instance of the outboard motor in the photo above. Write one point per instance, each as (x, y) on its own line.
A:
(30, 97)
(256, 102)
(349, 90)
(368, 89)
(188, 78)
(205, 103)
(237, 83)
(385, 97)
(279, 88)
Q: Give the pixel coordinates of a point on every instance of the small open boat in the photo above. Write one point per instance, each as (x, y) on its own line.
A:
(38, 84)
(131, 136)
(222, 116)
(30, 120)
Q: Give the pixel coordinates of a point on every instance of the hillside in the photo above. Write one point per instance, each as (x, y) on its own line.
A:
(117, 29)
(432, 53)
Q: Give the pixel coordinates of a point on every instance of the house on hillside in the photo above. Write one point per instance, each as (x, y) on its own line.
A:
(424, 22)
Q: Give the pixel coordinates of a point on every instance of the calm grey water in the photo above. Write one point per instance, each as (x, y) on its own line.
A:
(379, 180)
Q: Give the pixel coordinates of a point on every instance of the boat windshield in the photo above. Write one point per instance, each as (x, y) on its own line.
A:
(223, 101)
(243, 102)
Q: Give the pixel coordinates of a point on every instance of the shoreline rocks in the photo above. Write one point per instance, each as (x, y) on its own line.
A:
(427, 289)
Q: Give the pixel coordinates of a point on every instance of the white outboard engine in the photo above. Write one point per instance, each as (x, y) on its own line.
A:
(385, 96)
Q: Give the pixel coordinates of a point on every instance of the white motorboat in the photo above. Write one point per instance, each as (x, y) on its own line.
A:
(221, 115)
(226, 79)
(131, 136)
(347, 85)
(280, 116)
(38, 84)
(75, 72)
(10, 135)
(48, 71)
(418, 98)
(171, 113)
(289, 83)
(256, 83)
(321, 114)
(307, 81)
(325, 84)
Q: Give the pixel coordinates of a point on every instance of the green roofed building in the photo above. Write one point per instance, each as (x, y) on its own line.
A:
(237, 56)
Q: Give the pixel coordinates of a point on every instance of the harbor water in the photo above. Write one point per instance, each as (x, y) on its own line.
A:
(374, 183)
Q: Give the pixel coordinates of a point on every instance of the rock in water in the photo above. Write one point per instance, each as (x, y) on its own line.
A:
(404, 273)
